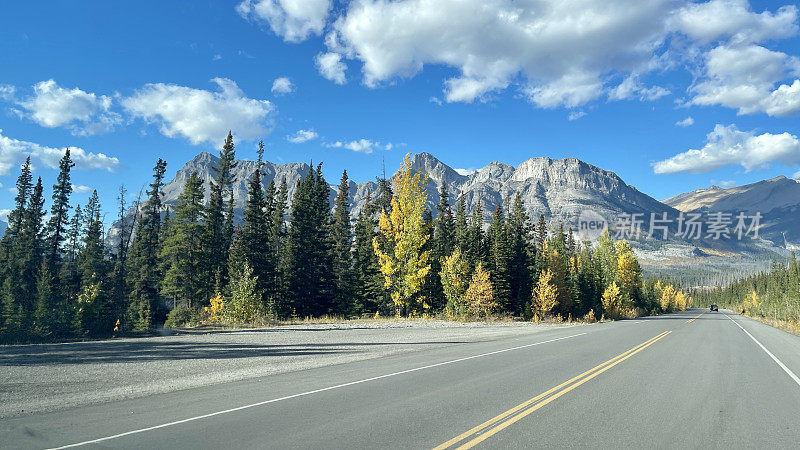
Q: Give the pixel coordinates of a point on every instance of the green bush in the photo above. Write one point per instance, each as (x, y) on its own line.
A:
(182, 316)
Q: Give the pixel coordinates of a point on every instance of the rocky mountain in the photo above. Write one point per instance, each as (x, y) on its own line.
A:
(777, 199)
(559, 189)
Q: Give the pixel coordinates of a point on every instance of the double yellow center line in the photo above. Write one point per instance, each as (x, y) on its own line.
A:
(695, 317)
(478, 434)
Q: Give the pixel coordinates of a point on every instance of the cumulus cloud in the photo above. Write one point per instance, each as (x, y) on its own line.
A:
(199, 115)
(687, 122)
(330, 66)
(13, 152)
(744, 78)
(302, 136)
(709, 21)
(728, 146)
(362, 145)
(282, 85)
(466, 172)
(293, 20)
(52, 106)
(81, 189)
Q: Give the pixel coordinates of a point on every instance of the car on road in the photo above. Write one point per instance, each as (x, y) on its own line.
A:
(714, 308)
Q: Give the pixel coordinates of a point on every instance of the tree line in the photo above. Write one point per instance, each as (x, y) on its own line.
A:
(770, 294)
(298, 258)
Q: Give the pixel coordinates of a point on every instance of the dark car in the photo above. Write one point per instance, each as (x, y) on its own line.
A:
(714, 308)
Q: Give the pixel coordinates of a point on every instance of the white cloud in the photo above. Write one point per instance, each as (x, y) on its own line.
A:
(282, 85)
(362, 145)
(199, 115)
(709, 21)
(13, 152)
(687, 122)
(729, 146)
(466, 172)
(744, 78)
(293, 20)
(217, 57)
(330, 66)
(302, 136)
(80, 189)
(631, 88)
(435, 100)
(4, 214)
(575, 115)
(53, 106)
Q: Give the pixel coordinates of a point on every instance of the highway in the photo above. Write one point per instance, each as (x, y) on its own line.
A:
(696, 379)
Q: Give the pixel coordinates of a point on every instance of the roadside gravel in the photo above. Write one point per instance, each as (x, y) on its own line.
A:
(48, 377)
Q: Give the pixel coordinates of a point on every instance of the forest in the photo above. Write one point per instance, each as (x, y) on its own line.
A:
(295, 258)
(771, 296)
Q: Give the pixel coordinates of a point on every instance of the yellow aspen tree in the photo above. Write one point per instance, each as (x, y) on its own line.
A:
(403, 234)
(612, 301)
(480, 296)
(667, 298)
(545, 296)
(454, 274)
(629, 273)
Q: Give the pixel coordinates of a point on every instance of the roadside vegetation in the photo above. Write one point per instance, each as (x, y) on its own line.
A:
(772, 297)
(295, 259)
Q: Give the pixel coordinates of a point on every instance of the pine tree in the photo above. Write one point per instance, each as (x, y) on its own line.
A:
(460, 226)
(183, 275)
(369, 291)
(404, 233)
(499, 259)
(309, 281)
(442, 244)
(256, 230)
(278, 248)
(143, 273)
(46, 316)
(219, 225)
(475, 243)
(522, 256)
(342, 250)
(59, 211)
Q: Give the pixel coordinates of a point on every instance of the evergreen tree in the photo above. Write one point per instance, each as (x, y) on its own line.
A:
(369, 292)
(59, 211)
(46, 318)
(522, 256)
(219, 225)
(460, 226)
(476, 248)
(183, 275)
(309, 280)
(342, 250)
(442, 243)
(256, 230)
(143, 274)
(499, 259)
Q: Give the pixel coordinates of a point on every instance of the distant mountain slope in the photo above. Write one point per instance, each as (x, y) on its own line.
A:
(777, 199)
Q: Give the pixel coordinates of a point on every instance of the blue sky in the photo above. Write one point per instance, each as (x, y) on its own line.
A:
(597, 80)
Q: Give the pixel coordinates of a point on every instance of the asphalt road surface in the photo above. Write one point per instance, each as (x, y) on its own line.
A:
(696, 379)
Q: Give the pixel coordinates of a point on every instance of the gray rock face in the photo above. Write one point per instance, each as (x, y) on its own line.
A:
(777, 199)
(558, 189)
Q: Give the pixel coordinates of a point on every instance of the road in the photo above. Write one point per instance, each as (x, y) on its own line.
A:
(695, 379)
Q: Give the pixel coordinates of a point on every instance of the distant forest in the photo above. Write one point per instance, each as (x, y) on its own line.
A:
(297, 258)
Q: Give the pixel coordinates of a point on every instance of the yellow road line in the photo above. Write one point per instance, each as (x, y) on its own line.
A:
(695, 317)
(556, 392)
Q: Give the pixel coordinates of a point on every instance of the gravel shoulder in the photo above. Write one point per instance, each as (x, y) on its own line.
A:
(49, 377)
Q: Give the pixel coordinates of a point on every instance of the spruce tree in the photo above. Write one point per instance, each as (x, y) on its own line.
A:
(460, 226)
(499, 259)
(59, 211)
(256, 229)
(342, 250)
(143, 273)
(520, 238)
(219, 224)
(369, 292)
(476, 249)
(183, 275)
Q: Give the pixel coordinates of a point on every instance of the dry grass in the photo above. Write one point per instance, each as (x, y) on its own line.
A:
(792, 326)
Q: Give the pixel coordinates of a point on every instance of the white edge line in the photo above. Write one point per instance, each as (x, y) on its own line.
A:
(315, 391)
(774, 358)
